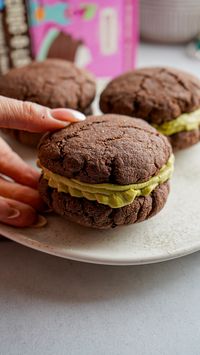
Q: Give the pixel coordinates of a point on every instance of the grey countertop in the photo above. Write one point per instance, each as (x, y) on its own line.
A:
(53, 306)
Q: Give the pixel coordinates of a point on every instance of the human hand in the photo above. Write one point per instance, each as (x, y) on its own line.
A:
(19, 198)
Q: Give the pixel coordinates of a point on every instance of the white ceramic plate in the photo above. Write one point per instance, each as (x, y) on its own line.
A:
(174, 232)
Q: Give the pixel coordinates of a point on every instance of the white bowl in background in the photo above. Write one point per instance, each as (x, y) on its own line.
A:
(172, 21)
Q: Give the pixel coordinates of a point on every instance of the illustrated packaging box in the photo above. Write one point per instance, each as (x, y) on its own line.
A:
(98, 35)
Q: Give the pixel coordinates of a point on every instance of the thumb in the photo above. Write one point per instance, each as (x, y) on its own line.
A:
(32, 117)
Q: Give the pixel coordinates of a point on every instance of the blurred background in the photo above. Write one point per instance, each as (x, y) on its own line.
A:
(106, 37)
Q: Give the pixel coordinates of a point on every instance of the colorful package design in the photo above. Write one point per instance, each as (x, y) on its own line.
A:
(99, 35)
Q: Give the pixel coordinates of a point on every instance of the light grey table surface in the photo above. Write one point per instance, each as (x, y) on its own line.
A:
(54, 306)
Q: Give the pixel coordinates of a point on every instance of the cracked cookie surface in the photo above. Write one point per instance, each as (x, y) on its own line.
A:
(53, 83)
(155, 94)
(105, 149)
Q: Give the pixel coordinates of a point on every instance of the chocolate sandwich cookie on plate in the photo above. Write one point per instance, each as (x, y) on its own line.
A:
(169, 99)
(53, 83)
(106, 171)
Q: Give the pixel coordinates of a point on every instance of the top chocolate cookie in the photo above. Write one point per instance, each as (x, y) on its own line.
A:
(105, 149)
(53, 83)
(156, 94)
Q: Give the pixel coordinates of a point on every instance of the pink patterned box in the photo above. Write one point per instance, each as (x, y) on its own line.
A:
(98, 35)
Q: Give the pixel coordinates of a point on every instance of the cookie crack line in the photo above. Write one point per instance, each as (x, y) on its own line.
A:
(126, 127)
(142, 84)
(177, 78)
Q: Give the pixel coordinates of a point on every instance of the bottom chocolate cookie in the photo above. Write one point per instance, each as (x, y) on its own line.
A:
(185, 139)
(92, 214)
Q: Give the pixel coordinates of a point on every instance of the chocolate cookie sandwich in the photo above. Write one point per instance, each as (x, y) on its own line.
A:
(169, 99)
(53, 83)
(106, 171)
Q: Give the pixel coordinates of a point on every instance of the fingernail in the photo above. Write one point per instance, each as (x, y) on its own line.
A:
(13, 213)
(63, 114)
(41, 222)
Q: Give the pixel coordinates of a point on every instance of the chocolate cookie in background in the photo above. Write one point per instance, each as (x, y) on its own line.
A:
(53, 83)
(168, 98)
(101, 173)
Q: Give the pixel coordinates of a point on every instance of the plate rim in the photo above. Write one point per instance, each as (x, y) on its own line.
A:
(43, 247)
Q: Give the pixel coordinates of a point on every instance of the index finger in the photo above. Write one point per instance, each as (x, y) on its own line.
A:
(32, 117)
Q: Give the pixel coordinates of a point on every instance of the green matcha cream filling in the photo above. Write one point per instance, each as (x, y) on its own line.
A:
(115, 196)
(185, 122)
